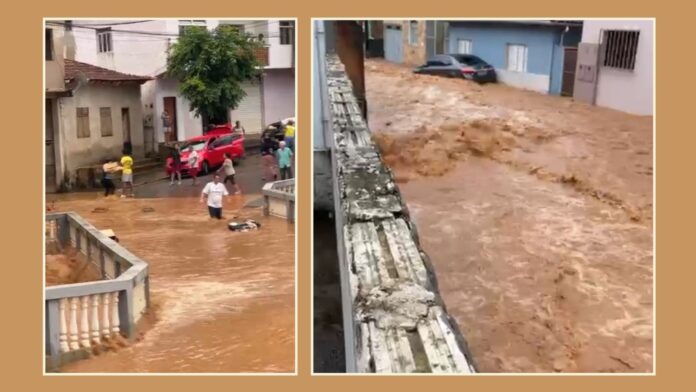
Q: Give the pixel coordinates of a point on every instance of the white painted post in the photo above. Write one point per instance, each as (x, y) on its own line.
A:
(63, 327)
(115, 323)
(84, 321)
(52, 230)
(105, 315)
(74, 345)
(95, 319)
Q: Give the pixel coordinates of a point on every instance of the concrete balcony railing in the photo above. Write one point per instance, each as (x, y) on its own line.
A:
(279, 199)
(82, 316)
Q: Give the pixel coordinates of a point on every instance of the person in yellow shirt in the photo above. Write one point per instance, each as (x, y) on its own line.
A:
(127, 176)
(290, 135)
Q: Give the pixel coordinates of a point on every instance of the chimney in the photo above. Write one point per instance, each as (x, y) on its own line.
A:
(69, 41)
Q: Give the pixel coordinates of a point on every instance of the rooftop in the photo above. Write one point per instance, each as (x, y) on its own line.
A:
(73, 70)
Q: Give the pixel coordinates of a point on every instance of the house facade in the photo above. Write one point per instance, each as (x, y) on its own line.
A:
(141, 48)
(528, 54)
(91, 113)
(615, 65)
(54, 76)
(411, 42)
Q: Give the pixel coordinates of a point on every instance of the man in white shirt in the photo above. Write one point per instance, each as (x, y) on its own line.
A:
(214, 192)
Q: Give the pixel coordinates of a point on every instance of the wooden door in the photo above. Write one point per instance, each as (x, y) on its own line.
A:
(125, 125)
(170, 108)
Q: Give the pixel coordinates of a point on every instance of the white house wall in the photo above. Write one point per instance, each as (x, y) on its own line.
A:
(278, 95)
(525, 80)
(81, 152)
(280, 56)
(147, 55)
(187, 124)
(629, 91)
(132, 54)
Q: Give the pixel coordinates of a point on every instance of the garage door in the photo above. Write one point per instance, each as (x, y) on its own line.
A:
(249, 110)
(393, 46)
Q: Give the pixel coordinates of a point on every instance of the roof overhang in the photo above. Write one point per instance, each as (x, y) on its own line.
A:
(547, 23)
(58, 93)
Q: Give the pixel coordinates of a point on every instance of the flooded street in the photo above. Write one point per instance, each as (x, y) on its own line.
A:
(536, 212)
(222, 301)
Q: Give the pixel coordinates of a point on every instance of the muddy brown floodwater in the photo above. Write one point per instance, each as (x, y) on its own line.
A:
(222, 301)
(536, 212)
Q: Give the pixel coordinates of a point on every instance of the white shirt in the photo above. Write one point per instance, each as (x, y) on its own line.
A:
(229, 167)
(193, 159)
(215, 192)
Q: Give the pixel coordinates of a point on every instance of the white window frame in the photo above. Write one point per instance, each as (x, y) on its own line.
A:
(191, 22)
(413, 32)
(517, 56)
(105, 43)
(469, 46)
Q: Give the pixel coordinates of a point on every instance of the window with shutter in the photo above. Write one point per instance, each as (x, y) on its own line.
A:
(82, 122)
(107, 128)
(464, 46)
(517, 58)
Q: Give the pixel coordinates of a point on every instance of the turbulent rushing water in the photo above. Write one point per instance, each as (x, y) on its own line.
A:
(222, 301)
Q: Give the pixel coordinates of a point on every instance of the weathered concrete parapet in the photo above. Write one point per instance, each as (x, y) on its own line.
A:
(397, 321)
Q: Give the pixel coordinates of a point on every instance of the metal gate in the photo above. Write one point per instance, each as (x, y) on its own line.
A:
(249, 112)
(570, 59)
(393, 44)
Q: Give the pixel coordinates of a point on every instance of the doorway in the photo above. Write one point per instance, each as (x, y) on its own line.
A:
(570, 58)
(50, 149)
(170, 108)
(126, 129)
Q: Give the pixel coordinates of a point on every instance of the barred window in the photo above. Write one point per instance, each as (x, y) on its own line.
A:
(104, 43)
(287, 32)
(620, 48)
(413, 33)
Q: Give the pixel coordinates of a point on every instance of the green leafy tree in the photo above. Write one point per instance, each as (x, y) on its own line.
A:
(210, 66)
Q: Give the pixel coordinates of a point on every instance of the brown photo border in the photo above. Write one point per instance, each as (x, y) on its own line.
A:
(23, 63)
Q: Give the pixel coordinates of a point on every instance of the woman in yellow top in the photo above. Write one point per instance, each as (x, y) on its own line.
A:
(290, 135)
(127, 177)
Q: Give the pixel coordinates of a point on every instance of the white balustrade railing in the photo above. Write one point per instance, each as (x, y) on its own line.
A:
(88, 320)
(81, 316)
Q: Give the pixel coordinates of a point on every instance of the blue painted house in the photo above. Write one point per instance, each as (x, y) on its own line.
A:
(533, 54)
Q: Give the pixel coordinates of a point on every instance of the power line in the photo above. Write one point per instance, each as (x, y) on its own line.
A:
(116, 23)
(149, 33)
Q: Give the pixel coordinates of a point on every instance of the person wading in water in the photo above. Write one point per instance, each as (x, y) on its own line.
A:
(214, 192)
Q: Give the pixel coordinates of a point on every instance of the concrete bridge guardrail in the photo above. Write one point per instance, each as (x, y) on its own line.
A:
(81, 316)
